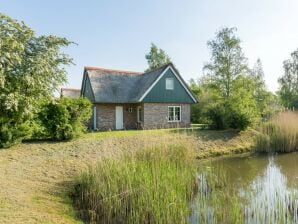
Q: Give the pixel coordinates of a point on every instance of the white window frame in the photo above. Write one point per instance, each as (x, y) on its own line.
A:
(138, 113)
(171, 81)
(174, 113)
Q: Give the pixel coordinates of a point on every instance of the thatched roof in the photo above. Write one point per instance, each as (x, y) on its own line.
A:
(116, 86)
(70, 92)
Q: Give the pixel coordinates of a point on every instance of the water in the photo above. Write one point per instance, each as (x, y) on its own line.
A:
(251, 189)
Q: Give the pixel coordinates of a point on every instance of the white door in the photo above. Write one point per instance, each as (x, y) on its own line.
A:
(119, 117)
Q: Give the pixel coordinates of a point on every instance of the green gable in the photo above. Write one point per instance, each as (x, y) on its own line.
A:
(159, 93)
(87, 91)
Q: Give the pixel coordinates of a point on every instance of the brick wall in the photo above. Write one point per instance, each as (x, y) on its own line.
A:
(106, 116)
(156, 115)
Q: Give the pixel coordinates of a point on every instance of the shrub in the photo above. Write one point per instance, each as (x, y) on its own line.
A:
(218, 116)
(64, 119)
(13, 134)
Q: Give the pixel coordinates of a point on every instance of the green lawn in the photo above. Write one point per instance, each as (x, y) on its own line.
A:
(36, 177)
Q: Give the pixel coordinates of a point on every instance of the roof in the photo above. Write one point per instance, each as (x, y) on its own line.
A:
(118, 86)
(70, 92)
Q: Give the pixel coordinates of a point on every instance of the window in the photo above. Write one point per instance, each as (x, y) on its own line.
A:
(169, 83)
(174, 113)
(140, 114)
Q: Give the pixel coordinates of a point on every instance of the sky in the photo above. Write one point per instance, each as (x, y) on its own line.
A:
(117, 33)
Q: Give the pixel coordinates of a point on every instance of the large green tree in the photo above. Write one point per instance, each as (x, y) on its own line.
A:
(263, 97)
(31, 68)
(289, 82)
(227, 87)
(227, 60)
(156, 58)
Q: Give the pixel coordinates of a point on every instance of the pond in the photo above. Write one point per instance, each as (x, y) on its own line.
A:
(247, 189)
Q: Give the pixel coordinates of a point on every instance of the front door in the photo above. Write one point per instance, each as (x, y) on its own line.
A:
(119, 117)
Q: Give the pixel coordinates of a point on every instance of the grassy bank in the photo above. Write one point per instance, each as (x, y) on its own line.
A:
(36, 177)
(280, 134)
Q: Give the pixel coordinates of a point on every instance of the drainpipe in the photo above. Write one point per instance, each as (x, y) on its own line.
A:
(94, 118)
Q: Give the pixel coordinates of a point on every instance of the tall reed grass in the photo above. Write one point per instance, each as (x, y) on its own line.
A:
(280, 134)
(154, 185)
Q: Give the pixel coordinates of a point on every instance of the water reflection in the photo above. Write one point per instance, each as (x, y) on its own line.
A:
(257, 189)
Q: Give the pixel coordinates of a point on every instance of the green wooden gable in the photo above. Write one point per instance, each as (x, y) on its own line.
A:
(159, 93)
(87, 91)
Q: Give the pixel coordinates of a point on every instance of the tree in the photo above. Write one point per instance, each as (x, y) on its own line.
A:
(228, 99)
(31, 68)
(288, 91)
(262, 96)
(227, 60)
(156, 58)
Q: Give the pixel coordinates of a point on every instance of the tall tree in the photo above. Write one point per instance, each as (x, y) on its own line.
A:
(227, 60)
(156, 57)
(289, 82)
(31, 68)
(261, 94)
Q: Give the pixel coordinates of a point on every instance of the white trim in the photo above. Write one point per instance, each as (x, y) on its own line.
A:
(94, 118)
(162, 74)
(174, 114)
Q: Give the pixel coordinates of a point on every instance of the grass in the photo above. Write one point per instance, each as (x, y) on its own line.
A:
(36, 176)
(280, 134)
(151, 186)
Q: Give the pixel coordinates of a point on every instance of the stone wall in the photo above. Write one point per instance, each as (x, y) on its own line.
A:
(156, 115)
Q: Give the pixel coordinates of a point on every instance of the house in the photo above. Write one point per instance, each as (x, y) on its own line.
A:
(137, 100)
(69, 92)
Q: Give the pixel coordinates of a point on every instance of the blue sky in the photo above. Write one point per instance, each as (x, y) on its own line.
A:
(117, 34)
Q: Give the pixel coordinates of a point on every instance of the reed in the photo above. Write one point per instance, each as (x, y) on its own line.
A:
(280, 134)
(154, 185)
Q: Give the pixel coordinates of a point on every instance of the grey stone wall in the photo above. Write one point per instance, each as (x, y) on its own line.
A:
(156, 115)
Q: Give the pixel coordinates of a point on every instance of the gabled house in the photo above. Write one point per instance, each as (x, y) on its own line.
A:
(136, 100)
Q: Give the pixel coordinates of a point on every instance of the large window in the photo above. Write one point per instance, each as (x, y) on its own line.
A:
(169, 83)
(174, 113)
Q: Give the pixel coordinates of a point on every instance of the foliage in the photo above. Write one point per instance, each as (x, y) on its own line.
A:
(289, 82)
(227, 61)
(154, 185)
(64, 119)
(230, 94)
(280, 134)
(156, 58)
(31, 67)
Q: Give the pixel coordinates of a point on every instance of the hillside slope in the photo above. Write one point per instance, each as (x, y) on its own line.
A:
(35, 177)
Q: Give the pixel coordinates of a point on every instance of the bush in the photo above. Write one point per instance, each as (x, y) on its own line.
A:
(229, 115)
(13, 134)
(64, 119)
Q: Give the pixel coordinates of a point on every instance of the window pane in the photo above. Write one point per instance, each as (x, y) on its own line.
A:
(177, 113)
(170, 113)
(169, 83)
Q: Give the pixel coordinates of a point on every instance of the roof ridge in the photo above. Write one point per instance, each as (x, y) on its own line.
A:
(70, 89)
(112, 70)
